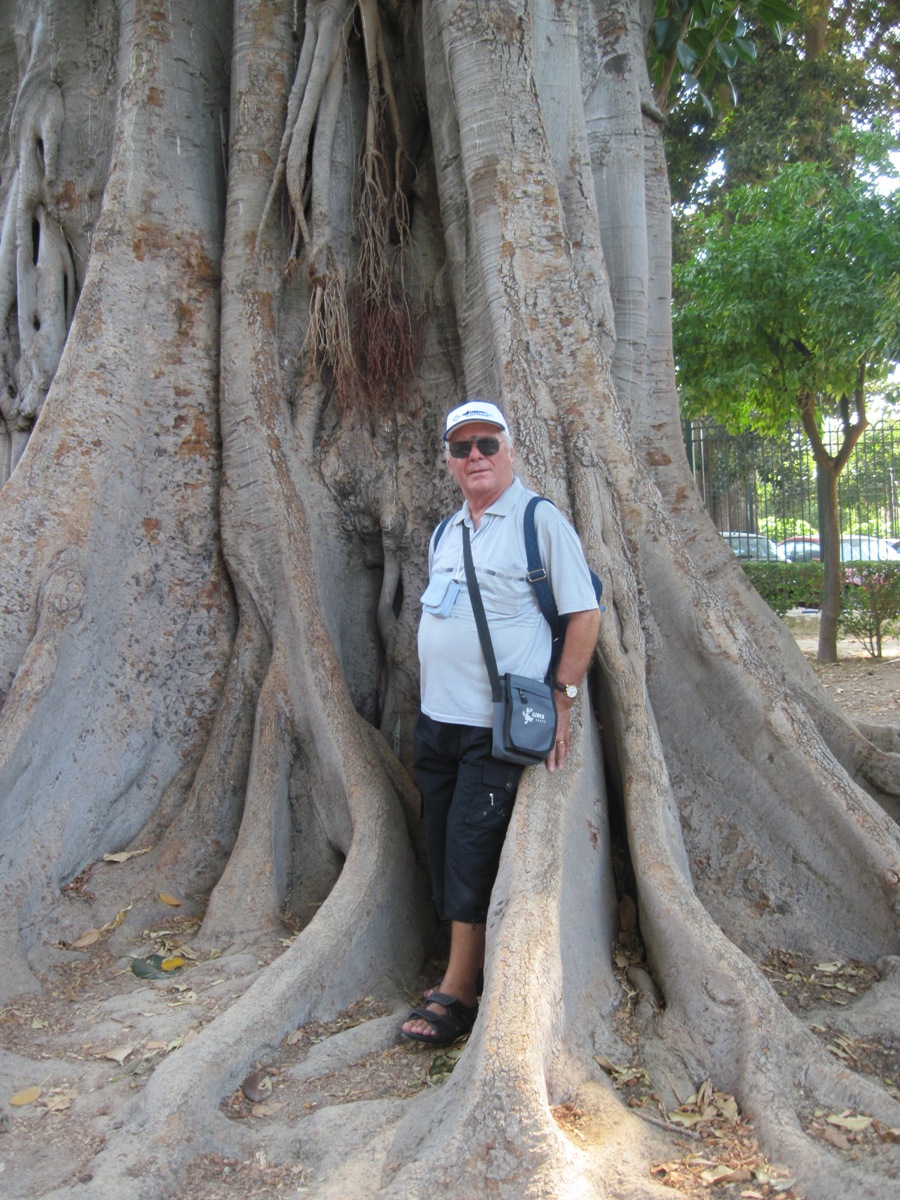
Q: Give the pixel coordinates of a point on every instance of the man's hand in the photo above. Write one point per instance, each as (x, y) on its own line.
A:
(578, 648)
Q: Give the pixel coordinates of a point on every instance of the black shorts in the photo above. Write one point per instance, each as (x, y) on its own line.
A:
(467, 801)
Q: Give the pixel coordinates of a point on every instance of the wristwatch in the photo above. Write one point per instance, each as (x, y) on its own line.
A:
(567, 689)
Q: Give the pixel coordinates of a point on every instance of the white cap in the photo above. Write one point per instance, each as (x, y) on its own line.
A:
(475, 410)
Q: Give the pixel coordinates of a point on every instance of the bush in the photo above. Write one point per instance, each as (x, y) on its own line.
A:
(870, 605)
(784, 586)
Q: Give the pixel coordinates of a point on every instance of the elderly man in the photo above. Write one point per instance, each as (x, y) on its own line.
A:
(467, 794)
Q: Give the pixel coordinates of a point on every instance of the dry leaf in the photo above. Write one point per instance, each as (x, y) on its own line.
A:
(25, 1096)
(116, 921)
(167, 899)
(293, 1038)
(124, 855)
(847, 1121)
(119, 1053)
(87, 939)
(265, 1110)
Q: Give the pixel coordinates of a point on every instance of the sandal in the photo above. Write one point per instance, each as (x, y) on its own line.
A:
(479, 988)
(454, 1023)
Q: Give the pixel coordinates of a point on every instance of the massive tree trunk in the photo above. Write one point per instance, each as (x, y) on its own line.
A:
(245, 268)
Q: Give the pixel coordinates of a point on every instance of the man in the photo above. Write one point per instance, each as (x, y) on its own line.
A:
(467, 794)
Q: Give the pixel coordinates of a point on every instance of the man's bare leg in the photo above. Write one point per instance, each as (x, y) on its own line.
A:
(466, 960)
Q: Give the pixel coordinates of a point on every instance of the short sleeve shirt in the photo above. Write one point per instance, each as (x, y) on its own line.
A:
(454, 680)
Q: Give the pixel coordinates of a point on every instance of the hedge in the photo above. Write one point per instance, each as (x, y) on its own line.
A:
(784, 586)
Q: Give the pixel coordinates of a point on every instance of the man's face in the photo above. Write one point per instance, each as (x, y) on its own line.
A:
(481, 478)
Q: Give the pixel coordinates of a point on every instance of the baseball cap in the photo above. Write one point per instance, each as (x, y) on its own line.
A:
(475, 410)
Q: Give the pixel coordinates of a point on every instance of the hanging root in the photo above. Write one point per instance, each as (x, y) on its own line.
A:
(379, 348)
(328, 344)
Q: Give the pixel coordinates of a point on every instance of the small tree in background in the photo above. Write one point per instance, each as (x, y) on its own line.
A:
(788, 306)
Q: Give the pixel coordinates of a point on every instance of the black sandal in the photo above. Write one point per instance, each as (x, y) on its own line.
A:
(455, 1023)
(479, 988)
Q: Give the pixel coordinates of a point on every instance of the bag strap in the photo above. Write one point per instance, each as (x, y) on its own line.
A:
(484, 634)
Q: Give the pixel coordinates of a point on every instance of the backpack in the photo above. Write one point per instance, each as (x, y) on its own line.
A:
(537, 577)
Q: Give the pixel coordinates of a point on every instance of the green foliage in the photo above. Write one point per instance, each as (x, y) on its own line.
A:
(790, 292)
(695, 45)
(870, 607)
(784, 586)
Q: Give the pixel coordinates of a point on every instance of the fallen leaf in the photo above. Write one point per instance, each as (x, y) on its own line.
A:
(293, 1038)
(167, 899)
(119, 1053)
(116, 921)
(715, 1174)
(25, 1096)
(124, 855)
(148, 968)
(855, 1124)
(87, 939)
(156, 1046)
(61, 1102)
(265, 1110)
(835, 1138)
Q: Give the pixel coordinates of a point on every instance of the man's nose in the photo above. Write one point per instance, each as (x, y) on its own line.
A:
(474, 452)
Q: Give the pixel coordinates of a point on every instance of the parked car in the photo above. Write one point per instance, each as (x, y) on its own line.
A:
(867, 549)
(801, 549)
(753, 546)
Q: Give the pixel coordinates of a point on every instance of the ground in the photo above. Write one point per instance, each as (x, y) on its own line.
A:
(72, 1056)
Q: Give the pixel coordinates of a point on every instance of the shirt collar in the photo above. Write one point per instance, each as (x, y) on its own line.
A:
(501, 507)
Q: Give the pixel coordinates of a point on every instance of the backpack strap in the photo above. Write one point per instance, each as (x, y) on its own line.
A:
(537, 573)
(438, 533)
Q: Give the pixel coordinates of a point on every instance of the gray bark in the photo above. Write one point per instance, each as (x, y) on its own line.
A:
(215, 538)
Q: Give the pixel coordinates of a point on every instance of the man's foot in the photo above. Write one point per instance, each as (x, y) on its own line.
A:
(479, 987)
(442, 1022)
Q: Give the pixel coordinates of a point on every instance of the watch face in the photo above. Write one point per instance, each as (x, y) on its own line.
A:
(571, 691)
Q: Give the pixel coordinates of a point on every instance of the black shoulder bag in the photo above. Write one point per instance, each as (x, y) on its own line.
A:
(524, 709)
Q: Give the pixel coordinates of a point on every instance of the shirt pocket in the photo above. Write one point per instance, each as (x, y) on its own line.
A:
(501, 592)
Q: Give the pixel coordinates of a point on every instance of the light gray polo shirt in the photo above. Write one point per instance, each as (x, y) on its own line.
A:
(454, 679)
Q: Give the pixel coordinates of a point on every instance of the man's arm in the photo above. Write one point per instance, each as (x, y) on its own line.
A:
(578, 649)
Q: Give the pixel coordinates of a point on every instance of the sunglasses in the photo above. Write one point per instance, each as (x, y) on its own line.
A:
(488, 446)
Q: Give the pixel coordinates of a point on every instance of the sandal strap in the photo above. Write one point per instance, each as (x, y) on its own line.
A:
(451, 1004)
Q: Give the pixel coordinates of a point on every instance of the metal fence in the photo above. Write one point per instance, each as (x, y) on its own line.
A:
(767, 485)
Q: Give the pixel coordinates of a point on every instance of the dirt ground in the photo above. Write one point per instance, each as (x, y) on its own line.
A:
(72, 1056)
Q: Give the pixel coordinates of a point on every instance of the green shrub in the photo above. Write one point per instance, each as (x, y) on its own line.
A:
(784, 586)
(870, 605)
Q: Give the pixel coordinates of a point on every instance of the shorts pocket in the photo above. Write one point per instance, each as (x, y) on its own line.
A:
(492, 800)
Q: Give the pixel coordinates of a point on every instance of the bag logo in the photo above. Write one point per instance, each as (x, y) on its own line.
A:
(531, 714)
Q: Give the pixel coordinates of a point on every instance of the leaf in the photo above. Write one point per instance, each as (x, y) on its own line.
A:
(265, 1110)
(119, 1053)
(87, 939)
(25, 1096)
(148, 968)
(117, 920)
(855, 1124)
(167, 899)
(124, 855)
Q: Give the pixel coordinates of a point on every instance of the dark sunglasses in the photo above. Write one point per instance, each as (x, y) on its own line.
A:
(488, 446)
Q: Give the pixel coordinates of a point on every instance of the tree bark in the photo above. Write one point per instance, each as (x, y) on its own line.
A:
(215, 540)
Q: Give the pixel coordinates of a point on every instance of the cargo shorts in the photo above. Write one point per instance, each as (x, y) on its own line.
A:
(467, 803)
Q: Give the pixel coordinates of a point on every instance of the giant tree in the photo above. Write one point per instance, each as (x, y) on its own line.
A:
(248, 260)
